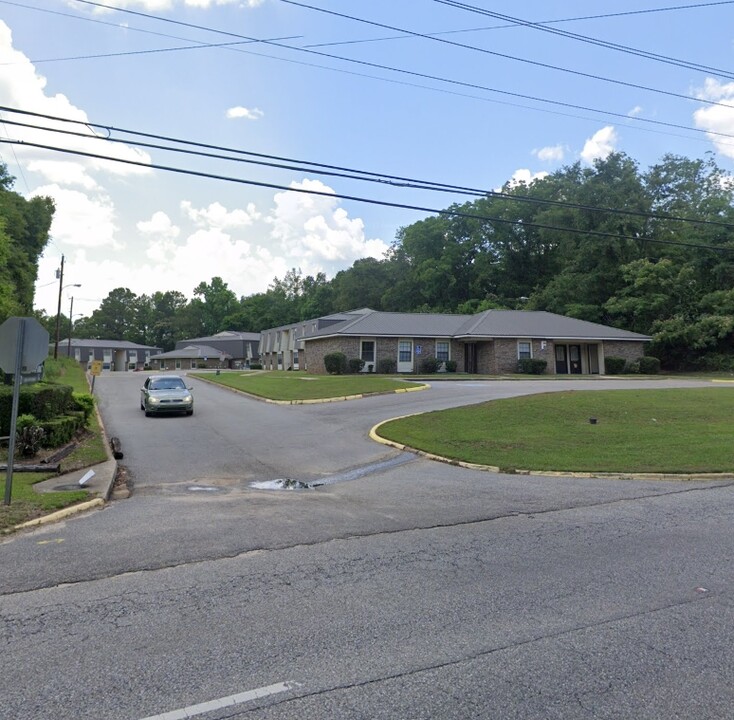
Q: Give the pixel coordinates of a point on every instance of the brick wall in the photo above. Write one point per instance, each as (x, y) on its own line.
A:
(630, 351)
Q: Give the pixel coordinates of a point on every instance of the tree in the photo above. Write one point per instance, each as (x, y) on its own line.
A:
(215, 302)
(24, 227)
(115, 318)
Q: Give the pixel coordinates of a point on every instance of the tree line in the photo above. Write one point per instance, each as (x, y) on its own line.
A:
(650, 251)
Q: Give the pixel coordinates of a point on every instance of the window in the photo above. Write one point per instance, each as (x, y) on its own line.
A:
(367, 353)
(524, 350)
(442, 350)
(405, 351)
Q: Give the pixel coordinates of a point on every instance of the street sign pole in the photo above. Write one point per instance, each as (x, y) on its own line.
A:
(14, 411)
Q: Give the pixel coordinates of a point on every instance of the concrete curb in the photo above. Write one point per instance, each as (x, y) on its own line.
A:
(674, 477)
(312, 401)
(59, 515)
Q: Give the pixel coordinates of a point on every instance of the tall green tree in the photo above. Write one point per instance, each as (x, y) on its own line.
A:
(212, 303)
(24, 228)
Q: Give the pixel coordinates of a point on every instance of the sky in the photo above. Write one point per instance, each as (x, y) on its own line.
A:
(473, 94)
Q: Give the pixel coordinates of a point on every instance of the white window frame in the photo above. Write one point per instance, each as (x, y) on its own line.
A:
(520, 355)
(448, 350)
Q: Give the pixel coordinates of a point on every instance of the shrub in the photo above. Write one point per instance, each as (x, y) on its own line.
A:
(649, 365)
(429, 365)
(60, 430)
(450, 366)
(256, 366)
(632, 368)
(531, 366)
(355, 365)
(335, 363)
(387, 366)
(84, 402)
(614, 365)
(28, 438)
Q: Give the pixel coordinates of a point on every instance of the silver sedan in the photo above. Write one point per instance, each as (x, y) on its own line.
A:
(166, 394)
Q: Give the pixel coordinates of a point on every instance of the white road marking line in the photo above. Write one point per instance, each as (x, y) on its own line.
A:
(231, 700)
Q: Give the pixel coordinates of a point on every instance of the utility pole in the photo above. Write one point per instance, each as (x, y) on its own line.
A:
(71, 324)
(58, 312)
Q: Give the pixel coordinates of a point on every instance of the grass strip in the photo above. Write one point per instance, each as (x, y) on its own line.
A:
(666, 431)
(25, 502)
(283, 385)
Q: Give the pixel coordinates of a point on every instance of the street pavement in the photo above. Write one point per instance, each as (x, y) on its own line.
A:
(400, 588)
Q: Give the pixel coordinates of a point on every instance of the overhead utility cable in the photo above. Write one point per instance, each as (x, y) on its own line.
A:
(505, 56)
(412, 73)
(589, 40)
(320, 168)
(369, 201)
(555, 21)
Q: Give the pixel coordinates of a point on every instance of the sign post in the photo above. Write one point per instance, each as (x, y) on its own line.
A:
(95, 370)
(23, 347)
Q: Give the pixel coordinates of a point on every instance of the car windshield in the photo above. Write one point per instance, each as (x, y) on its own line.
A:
(168, 384)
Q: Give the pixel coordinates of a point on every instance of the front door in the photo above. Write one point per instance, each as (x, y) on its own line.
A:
(574, 359)
(561, 360)
(470, 357)
(405, 356)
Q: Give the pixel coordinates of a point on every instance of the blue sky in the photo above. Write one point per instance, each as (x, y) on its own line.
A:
(482, 102)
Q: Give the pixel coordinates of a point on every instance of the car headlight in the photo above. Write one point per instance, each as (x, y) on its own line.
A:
(188, 399)
(153, 400)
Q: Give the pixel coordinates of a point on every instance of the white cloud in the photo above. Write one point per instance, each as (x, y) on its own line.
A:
(22, 87)
(63, 173)
(81, 220)
(523, 175)
(636, 110)
(246, 113)
(716, 118)
(159, 225)
(313, 230)
(552, 153)
(217, 216)
(600, 145)
(157, 5)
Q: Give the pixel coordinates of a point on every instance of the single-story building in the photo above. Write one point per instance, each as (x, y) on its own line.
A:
(490, 342)
(115, 355)
(241, 348)
(191, 357)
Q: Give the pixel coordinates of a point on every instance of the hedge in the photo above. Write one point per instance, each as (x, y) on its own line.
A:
(614, 365)
(43, 401)
(531, 366)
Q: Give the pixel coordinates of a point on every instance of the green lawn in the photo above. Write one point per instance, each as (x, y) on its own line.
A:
(676, 431)
(26, 503)
(282, 385)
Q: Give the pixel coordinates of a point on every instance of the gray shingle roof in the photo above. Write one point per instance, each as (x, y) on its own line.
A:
(540, 324)
(489, 324)
(227, 335)
(106, 344)
(192, 352)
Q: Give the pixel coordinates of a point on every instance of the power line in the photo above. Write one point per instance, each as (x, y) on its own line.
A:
(411, 73)
(266, 160)
(370, 201)
(505, 56)
(619, 116)
(586, 39)
(556, 21)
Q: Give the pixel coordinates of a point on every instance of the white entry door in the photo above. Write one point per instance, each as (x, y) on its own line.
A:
(405, 356)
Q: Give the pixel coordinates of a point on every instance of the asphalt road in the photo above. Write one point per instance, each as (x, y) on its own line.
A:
(400, 588)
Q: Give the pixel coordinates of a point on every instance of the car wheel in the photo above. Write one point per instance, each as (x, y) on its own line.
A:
(148, 413)
(189, 412)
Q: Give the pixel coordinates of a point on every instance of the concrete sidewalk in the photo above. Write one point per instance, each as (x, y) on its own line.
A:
(99, 486)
